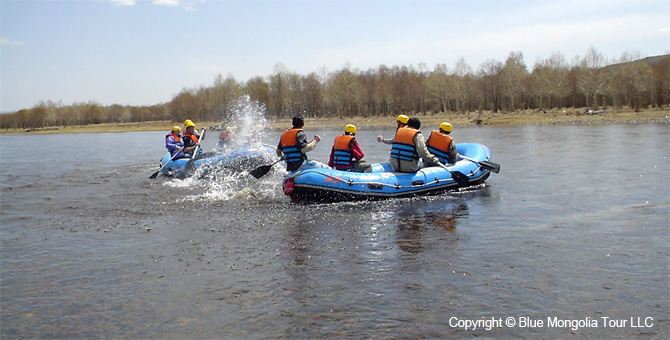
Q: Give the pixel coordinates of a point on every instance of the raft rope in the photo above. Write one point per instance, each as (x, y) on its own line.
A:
(378, 184)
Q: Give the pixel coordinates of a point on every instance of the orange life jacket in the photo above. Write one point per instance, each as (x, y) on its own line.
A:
(289, 146)
(176, 137)
(342, 153)
(403, 146)
(192, 137)
(438, 145)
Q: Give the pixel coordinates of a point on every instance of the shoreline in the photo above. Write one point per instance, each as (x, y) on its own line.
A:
(558, 117)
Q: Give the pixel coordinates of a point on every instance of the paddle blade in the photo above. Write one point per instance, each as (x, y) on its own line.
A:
(154, 174)
(495, 167)
(261, 171)
(460, 178)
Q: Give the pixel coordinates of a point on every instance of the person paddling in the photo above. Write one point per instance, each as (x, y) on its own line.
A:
(442, 145)
(191, 138)
(174, 144)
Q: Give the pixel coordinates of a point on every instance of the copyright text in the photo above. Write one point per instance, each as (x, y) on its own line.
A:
(549, 322)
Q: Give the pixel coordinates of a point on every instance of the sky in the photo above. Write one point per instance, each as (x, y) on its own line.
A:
(144, 52)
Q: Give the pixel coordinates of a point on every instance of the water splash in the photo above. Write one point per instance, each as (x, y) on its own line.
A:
(246, 118)
(233, 182)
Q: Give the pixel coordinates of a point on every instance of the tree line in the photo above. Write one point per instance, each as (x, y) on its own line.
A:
(553, 83)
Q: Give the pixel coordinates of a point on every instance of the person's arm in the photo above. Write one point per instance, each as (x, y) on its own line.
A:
(452, 154)
(332, 155)
(304, 146)
(422, 150)
(170, 144)
(356, 150)
(381, 139)
(278, 150)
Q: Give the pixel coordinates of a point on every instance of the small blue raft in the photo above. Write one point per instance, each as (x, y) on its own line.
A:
(243, 158)
(329, 185)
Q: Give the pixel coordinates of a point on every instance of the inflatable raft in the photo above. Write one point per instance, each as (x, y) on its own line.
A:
(329, 185)
(240, 159)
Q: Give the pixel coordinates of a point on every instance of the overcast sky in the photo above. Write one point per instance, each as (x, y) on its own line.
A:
(144, 52)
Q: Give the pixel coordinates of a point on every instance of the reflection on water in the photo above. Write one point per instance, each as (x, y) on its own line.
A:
(355, 265)
(410, 225)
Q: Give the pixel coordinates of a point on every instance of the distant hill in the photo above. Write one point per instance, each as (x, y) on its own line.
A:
(655, 61)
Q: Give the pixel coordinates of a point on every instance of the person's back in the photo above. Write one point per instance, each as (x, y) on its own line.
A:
(408, 147)
(293, 146)
(404, 157)
(346, 153)
(441, 144)
(290, 144)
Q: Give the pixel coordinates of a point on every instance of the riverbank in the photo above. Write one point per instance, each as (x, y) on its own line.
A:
(571, 116)
(568, 116)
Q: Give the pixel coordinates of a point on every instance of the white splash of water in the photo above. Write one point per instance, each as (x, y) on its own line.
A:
(247, 119)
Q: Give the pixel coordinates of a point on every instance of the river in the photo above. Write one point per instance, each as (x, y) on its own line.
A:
(570, 240)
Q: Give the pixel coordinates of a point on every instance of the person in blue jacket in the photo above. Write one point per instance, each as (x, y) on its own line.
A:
(174, 144)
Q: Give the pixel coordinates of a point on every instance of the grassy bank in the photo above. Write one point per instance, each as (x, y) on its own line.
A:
(570, 116)
(496, 119)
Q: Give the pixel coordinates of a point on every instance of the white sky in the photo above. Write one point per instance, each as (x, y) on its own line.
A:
(143, 52)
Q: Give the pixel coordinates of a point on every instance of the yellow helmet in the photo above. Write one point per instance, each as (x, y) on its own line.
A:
(446, 127)
(403, 119)
(176, 129)
(188, 123)
(350, 129)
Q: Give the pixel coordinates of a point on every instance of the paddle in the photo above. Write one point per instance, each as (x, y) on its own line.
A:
(166, 163)
(189, 164)
(262, 170)
(458, 176)
(491, 166)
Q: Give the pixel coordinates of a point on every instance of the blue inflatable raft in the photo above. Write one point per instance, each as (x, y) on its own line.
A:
(242, 158)
(328, 185)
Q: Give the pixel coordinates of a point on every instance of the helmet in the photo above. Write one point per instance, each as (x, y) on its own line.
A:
(350, 129)
(176, 129)
(446, 127)
(188, 123)
(229, 129)
(403, 119)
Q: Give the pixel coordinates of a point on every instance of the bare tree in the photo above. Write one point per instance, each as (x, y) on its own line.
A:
(439, 87)
(589, 81)
(463, 85)
(278, 91)
(343, 90)
(549, 81)
(592, 81)
(258, 90)
(632, 81)
(490, 84)
(512, 76)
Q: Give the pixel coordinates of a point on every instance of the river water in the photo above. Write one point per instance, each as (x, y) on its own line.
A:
(570, 240)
